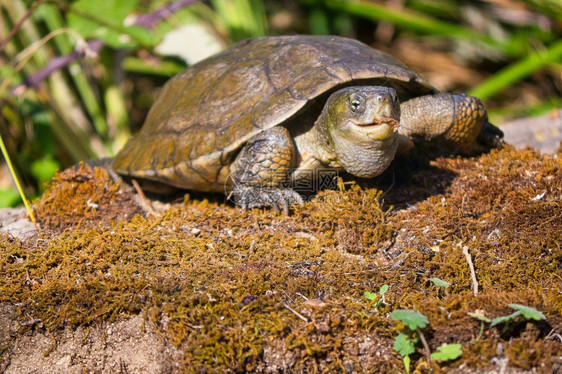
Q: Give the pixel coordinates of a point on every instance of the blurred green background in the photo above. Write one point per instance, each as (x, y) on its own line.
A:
(507, 52)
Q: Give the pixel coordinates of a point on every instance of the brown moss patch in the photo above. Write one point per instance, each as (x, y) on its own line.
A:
(253, 291)
(84, 197)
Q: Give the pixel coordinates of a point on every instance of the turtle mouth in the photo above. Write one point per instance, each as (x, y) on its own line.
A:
(389, 121)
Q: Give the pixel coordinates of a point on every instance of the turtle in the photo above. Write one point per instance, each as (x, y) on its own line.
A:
(270, 112)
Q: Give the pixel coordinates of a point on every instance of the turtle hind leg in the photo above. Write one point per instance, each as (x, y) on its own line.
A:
(459, 121)
(262, 169)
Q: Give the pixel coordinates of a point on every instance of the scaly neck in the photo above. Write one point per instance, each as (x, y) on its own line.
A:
(314, 145)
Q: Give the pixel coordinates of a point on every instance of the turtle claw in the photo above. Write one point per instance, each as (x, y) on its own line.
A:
(490, 136)
(248, 197)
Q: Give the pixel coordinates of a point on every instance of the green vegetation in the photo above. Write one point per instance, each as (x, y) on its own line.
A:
(521, 310)
(447, 352)
(21, 194)
(479, 315)
(415, 323)
(413, 320)
(520, 69)
(405, 342)
(380, 296)
(439, 283)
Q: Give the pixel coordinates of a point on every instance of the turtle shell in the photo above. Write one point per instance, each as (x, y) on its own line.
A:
(205, 114)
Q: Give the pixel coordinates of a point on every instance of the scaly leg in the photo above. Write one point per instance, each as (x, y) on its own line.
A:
(261, 171)
(461, 121)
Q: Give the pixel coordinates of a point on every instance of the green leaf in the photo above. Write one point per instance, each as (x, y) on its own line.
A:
(447, 352)
(407, 364)
(106, 20)
(479, 315)
(371, 296)
(141, 35)
(383, 289)
(413, 320)
(518, 70)
(166, 68)
(439, 283)
(111, 11)
(242, 18)
(528, 312)
(505, 319)
(404, 345)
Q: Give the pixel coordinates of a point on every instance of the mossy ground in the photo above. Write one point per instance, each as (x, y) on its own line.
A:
(254, 291)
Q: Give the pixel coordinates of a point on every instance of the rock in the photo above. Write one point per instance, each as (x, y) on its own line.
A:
(543, 133)
(14, 221)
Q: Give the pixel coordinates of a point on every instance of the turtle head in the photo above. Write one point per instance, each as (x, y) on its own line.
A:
(360, 124)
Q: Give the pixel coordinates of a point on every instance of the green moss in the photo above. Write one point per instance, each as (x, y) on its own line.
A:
(229, 288)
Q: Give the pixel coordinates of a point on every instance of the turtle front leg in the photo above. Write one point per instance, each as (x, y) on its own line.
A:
(461, 121)
(261, 171)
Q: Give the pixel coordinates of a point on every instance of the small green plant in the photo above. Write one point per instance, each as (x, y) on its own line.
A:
(372, 296)
(405, 342)
(479, 315)
(521, 310)
(526, 312)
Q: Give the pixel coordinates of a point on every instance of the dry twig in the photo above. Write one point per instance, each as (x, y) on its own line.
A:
(295, 312)
(471, 267)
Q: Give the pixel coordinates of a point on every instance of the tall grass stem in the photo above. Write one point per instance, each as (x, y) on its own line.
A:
(16, 180)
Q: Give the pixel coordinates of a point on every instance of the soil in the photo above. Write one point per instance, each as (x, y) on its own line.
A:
(202, 286)
(126, 346)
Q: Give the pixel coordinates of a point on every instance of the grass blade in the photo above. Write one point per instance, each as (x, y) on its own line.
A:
(16, 180)
(54, 21)
(417, 22)
(518, 70)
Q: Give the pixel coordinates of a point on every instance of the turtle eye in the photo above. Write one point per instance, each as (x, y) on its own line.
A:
(356, 104)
